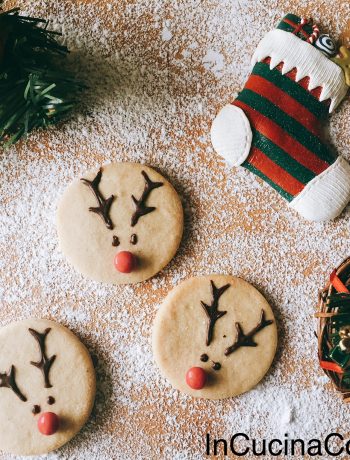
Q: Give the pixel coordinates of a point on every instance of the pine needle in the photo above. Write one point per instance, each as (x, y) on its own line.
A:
(36, 88)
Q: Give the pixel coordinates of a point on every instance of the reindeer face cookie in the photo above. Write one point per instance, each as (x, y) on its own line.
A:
(47, 386)
(214, 337)
(120, 224)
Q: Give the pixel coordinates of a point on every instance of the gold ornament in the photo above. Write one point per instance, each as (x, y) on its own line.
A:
(344, 334)
(344, 331)
(343, 60)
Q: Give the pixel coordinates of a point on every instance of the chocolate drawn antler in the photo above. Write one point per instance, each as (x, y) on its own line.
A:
(45, 363)
(247, 340)
(104, 205)
(212, 311)
(141, 208)
(8, 380)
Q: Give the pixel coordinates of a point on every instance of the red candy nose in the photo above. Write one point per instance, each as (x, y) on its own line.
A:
(48, 423)
(196, 378)
(125, 262)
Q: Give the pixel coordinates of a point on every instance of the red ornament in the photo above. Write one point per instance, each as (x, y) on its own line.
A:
(336, 282)
(125, 262)
(48, 423)
(196, 378)
(330, 366)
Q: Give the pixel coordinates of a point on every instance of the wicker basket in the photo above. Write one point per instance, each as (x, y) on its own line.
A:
(325, 328)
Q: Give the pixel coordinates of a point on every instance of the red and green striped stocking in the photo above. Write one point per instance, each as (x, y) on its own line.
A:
(274, 127)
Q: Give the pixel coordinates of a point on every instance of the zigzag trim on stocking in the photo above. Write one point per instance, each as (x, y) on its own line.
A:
(284, 47)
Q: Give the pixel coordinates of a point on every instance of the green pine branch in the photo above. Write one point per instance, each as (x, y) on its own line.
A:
(36, 89)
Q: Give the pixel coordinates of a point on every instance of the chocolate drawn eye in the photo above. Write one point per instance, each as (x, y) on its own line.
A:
(216, 366)
(326, 45)
(51, 400)
(133, 238)
(36, 409)
(115, 241)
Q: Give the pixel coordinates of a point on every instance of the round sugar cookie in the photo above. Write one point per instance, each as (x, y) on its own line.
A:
(47, 386)
(120, 224)
(221, 325)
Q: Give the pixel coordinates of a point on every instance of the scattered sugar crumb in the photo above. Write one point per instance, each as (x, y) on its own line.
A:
(166, 34)
(214, 62)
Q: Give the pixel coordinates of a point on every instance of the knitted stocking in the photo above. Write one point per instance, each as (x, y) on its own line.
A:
(274, 129)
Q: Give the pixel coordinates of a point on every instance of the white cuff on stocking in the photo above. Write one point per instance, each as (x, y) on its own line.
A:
(325, 196)
(282, 46)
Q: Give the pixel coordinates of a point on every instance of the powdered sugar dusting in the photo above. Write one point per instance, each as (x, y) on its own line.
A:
(166, 33)
(214, 62)
(151, 99)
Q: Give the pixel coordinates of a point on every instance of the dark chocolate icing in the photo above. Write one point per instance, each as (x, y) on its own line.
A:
(204, 357)
(36, 409)
(45, 363)
(8, 380)
(247, 340)
(104, 205)
(51, 400)
(216, 366)
(133, 238)
(115, 241)
(212, 312)
(140, 204)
